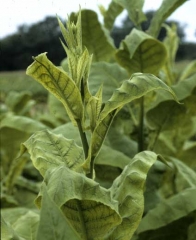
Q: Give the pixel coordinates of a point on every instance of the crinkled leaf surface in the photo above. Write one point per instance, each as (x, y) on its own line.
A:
(89, 207)
(108, 74)
(166, 9)
(128, 189)
(137, 86)
(95, 37)
(48, 150)
(139, 52)
(134, 9)
(59, 84)
(169, 210)
(53, 225)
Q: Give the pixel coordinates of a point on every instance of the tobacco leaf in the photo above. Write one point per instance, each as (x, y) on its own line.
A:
(139, 52)
(53, 224)
(48, 150)
(134, 9)
(95, 37)
(114, 9)
(137, 86)
(169, 210)
(128, 190)
(59, 84)
(165, 10)
(89, 207)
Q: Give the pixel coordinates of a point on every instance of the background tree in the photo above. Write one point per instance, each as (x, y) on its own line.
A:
(17, 49)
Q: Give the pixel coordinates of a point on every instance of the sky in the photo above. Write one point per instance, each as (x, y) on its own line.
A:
(14, 13)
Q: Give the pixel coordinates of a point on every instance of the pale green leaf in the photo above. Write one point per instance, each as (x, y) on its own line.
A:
(94, 107)
(95, 37)
(7, 232)
(139, 52)
(189, 71)
(134, 9)
(53, 224)
(88, 207)
(14, 130)
(165, 10)
(108, 74)
(137, 86)
(185, 177)
(48, 150)
(19, 102)
(98, 136)
(169, 210)
(114, 9)
(26, 225)
(59, 84)
(128, 189)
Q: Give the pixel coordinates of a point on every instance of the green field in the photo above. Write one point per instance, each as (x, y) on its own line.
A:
(19, 81)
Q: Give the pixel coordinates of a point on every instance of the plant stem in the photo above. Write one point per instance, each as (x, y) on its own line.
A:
(141, 126)
(85, 148)
(83, 139)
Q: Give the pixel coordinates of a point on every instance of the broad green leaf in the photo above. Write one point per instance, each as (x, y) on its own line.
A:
(89, 207)
(121, 142)
(48, 150)
(137, 86)
(165, 10)
(19, 103)
(7, 232)
(57, 109)
(14, 130)
(169, 210)
(59, 84)
(69, 131)
(128, 189)
(189, 71)
(22, 221)
(182, 89)
(114, 9)
(108, 74)
(171, 43)
(95, 37)
(26, 225)
(139, 52)
(167, 115)
(53, 224)
(134, 9)
(177, 230)
(185, 177)
(187, 155)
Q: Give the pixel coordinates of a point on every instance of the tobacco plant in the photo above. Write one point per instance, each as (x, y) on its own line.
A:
(122, 105)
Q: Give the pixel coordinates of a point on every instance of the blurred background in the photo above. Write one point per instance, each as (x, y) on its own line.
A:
(29, 28)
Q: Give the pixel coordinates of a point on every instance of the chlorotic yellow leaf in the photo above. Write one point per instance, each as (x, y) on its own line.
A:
(88, 207)
(128, 190)
(139, 52)
(137, 86)
(59, 84)
(49, 150)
